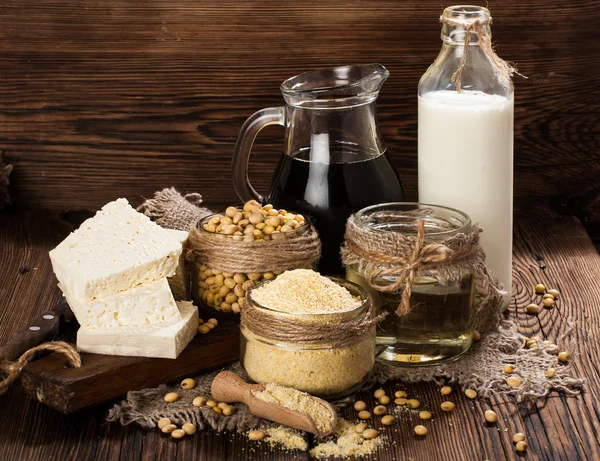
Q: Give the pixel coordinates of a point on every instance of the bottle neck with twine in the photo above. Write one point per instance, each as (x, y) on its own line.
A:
(475, 26)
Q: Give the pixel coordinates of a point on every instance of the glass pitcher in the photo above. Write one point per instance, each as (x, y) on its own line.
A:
(334, 161)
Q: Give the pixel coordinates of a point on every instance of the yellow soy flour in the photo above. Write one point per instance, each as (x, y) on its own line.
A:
(286, 437)
(303, 291)
(292, 399)
(348, 443)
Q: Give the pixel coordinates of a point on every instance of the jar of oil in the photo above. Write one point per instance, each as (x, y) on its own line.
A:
(438, 326)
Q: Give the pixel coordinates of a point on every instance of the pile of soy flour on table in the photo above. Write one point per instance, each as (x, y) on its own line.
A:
(118, 272)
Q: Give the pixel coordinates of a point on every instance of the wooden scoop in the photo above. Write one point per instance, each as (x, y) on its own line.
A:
(229, 388)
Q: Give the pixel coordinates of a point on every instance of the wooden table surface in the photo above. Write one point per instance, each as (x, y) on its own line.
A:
(555, 251)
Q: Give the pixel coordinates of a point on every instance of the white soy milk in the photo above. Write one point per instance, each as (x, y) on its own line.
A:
(466, 162)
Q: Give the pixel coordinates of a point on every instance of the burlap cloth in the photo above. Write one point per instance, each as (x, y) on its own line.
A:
(481, 368)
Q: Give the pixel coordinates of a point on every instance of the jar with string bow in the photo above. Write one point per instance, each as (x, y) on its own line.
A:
(424, 266)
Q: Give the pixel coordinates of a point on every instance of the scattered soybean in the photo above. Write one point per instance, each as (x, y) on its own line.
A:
(420, 430)
(188, 383)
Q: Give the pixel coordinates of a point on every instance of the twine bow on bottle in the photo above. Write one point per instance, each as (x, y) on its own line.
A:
(478, 27)
(391, 261)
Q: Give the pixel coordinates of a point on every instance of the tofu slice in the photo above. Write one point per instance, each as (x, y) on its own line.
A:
(148, 341)
(113, 251)
(148, 304)
(181, 282)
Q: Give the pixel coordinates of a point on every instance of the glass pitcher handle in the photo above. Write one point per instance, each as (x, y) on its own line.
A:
(243, 146)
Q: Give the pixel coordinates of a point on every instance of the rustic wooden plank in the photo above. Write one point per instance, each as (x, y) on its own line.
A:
(161, 89)
(563, 428)
(69, 390)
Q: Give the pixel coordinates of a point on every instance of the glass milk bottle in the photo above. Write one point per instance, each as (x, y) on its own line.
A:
(466, 133)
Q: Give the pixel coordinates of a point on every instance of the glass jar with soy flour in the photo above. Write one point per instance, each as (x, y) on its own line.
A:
(466, 132)
(313, 333)
(381, 250)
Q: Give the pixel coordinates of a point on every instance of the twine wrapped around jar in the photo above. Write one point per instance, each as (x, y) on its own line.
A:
(390, 261)
(306, 333)
(223, 253)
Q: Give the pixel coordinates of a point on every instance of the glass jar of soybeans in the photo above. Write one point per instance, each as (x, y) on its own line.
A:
(438, 325)
(222, 293)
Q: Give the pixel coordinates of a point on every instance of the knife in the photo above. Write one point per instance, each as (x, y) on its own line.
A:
(44, 328)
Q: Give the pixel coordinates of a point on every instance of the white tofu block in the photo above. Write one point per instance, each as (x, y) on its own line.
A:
(148, 341)
(114, 251)
(181, 282)
(148, 304)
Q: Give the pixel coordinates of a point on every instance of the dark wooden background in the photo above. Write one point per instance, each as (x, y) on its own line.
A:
(100, 99)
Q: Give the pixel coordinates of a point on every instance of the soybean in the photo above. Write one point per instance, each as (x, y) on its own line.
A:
(360, 406)
(188, 383)
(400, 401)
(446, 390)
(533, 308)
(554, 293)
(413, 403)
(513, 381)
(189, 428)
(256, 435)
(470, 393)
(211, 403)
(420, 430)
(379, 410)
(360, 428)
(364, 414)
(518, 437)
(508, 369)
(522, 445)
(548, 302)
(370, 434)
(540, 289)
(199, 401)
(490, 416)
(228, 411)
(379, 393)
(563, 357)
(425, 415)
(447, 406)
(168, 428)
(384, 400)
(550, 372)
(399, 394)
(162, 422)
(171, 397)
(388, 420)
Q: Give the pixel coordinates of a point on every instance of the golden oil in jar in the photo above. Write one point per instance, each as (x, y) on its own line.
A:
(438, 326)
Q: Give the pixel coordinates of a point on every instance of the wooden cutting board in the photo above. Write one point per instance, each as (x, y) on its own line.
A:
(104, 378)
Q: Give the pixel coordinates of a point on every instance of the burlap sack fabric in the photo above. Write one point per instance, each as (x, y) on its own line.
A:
(481, 369)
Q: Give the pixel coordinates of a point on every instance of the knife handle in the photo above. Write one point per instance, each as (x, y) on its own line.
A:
(44, 328)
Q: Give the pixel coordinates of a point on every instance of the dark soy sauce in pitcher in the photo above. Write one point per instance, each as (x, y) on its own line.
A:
(330, 192)
(334, 161)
